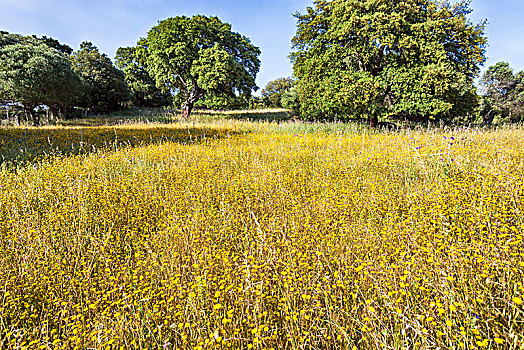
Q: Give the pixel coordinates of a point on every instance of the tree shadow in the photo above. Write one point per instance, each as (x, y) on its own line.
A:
(258, 115)
(170, 116)
(20, 146)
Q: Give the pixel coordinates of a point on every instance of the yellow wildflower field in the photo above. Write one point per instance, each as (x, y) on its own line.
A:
(257, 237)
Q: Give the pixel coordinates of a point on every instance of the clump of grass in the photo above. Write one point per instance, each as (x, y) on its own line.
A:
(304, 238)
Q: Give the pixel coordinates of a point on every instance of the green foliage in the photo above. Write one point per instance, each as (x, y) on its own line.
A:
(107, 86)
(275, 89)
(55, 44)
(404, 59)
(34, 74)
(290, 100)
(256, 102)
(200, 56)
(142, 85)
(10, 39)
(223, 102)
(504, 94)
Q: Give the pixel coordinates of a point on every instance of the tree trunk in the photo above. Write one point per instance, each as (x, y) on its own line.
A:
(34, 116)
(194, 95)
(187, 107)
(488, 120)
(373, 121)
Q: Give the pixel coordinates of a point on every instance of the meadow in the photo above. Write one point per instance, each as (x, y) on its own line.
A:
(258, 235)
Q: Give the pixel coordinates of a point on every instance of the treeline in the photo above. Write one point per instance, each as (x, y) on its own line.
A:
(373, 60)
(183, 62)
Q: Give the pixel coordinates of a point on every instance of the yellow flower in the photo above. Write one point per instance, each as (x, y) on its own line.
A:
(517, 300)
(483, 344)
(499, 341)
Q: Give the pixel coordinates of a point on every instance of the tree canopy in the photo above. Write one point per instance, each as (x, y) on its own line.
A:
(201, 56)
(275, 89)
(141, 84)
(7, 38)
(504, 91)
(107, 87)
(410, 59)
(55, 44)
(34, 74)
(291, 101)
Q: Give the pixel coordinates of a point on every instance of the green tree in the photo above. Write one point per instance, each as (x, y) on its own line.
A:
(55, 44)
(142, 85)
(107, 86)
(34, 74)
(290, 100)
(517, 107)
(504, 92)
(411, 59)
(275, 89)
(221, 102)
(9, 39)
(201, 56)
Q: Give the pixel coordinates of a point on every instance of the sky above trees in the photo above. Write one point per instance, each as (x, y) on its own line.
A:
(111, 24)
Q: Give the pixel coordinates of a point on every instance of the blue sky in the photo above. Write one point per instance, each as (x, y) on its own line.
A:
(110, 24)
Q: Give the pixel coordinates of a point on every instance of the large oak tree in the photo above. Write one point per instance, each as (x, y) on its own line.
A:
(201, 56)
(409, 59)
(140, 82)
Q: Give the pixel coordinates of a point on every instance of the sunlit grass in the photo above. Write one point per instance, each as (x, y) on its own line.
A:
(266, 236)
(20, 145)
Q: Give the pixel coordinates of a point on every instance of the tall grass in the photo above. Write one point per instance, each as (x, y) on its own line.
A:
(287, 236)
